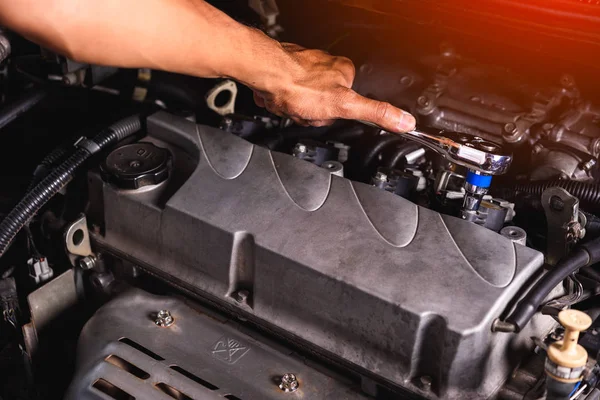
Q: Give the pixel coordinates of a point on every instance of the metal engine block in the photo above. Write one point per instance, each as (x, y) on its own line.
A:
(360, 276)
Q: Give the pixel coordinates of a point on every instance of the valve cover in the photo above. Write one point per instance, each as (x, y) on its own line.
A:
(359, 275)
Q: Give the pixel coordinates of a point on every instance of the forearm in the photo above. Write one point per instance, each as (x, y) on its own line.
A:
(191, 37)
(185, 36)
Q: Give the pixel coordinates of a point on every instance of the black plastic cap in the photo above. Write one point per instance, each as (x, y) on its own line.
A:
(137, 165)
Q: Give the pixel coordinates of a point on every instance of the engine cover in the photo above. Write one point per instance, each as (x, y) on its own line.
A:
(360, 275)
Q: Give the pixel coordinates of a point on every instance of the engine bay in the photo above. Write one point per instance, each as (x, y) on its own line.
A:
(163, 237)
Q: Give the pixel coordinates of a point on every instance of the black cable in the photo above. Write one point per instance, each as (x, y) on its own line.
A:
(585, 255)
(25, 103)
(35, 199)
(383, 142)
(529, 304)
(48, 163)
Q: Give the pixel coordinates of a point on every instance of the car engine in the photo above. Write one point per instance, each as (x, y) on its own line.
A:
(162, 237)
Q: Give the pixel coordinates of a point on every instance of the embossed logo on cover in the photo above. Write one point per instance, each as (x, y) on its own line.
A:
(229, 349)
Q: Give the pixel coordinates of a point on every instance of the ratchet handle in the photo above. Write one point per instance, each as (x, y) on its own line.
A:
(469, 151)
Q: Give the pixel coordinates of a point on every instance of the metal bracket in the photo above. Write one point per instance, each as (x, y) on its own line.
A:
(48, 303)
(229, 106)
(565, 222)
(77, 240)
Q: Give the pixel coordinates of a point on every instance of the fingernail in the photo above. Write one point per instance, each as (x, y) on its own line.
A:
(407, 123)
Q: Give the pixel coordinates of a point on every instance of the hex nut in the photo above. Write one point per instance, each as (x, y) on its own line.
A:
(164, 319)
(289, 383)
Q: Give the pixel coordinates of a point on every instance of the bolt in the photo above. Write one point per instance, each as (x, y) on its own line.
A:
(576, 231)
(164, 318)
(241, 296)
(596, 147)
(300, 148)
(381, 177)
(587, 166)
(289, 383)
(406, 81)
(510, 128)
(87, 263)
(423, 101)
(134, 164)
(547, 127)
(567, 81)
(425, 382)
(70, 79)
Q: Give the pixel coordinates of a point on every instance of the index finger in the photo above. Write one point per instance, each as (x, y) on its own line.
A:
(379, 113)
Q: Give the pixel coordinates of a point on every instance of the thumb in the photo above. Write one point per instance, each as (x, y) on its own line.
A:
(382, 114)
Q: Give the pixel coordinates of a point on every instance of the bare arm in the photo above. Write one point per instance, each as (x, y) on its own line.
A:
(192, 37)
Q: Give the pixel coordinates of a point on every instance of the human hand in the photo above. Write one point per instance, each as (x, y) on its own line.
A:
(315, 89)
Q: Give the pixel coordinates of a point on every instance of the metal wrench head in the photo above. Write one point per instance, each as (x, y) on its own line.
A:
(469, 151)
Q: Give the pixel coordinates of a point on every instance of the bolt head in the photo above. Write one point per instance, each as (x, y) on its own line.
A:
(289, 383)
(300, 148)
(241, 296)
(380, 176)
(589, 165)
(164, 318)
(134, 164)
(87, 263)
(425, 382)
(510, 128)
(423, 101)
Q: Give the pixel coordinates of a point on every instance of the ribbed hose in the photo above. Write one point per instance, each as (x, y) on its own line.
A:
(35, 199)
(46, 165)
(118, 131)
(587, 193)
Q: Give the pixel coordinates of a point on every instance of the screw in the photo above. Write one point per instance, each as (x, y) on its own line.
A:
(425, 382)
(289, 383)
(87, 263)
(164, 318)
(134, 164)
(381, 177)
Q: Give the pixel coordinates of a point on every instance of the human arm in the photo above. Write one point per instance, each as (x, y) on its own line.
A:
(192, 37)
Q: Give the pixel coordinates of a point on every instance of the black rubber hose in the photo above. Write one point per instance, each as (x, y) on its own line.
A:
(529, 304)
(35, 199)
(382, 143)
(585, 255)
(587, 193)
(48, 163)
(21, 106)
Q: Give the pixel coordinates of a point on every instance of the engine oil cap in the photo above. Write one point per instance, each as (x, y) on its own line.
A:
(136, 165)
